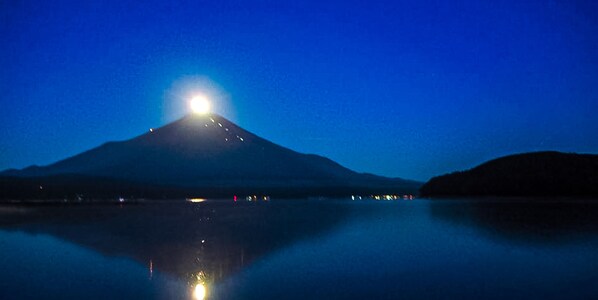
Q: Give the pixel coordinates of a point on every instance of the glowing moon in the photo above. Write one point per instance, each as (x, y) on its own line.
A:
(200, 105)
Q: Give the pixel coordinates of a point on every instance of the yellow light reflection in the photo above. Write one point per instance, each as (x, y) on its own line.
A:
(199, 293)
(196, 200)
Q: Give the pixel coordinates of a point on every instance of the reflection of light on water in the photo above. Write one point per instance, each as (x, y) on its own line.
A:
(201, 289)
(199, 293)
(196, 200)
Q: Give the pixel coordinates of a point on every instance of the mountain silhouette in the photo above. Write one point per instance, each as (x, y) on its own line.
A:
(211, 153)
(537, 174)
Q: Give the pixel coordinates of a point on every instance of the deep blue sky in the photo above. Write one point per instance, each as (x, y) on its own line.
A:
(400, 88)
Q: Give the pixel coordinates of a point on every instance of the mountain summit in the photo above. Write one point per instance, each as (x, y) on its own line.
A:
(208, 152)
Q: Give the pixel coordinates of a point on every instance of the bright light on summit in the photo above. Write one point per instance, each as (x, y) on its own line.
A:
(200, 105)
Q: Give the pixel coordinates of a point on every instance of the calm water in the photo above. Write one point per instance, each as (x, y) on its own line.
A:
(300, 249)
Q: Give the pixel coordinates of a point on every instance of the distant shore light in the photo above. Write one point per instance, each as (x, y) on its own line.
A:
(200, 105)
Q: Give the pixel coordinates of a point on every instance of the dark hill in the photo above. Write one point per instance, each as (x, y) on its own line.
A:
(528, 174)
(205, 155)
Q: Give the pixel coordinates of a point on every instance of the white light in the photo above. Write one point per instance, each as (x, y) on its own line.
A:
(199, 292)
(200, 105)
(196, 200)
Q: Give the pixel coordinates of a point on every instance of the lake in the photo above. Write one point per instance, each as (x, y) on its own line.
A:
(301, 249)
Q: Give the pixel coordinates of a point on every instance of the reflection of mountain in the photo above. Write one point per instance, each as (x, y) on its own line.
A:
(217, 238)
(527, 221)
(530, 174)
(201, 155)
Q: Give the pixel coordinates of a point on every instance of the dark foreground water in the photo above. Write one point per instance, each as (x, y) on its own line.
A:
(300, 249)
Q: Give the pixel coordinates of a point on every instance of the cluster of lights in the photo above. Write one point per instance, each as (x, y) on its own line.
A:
(384, 197)
(225, 129)
(256, 198)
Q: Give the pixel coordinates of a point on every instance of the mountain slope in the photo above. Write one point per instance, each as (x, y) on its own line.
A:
(528, 174)
(208, 151)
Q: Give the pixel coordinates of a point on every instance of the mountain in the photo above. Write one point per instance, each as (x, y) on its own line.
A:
(206, 154)
(529, 174)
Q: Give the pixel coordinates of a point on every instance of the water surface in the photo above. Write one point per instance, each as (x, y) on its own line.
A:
(301, 249)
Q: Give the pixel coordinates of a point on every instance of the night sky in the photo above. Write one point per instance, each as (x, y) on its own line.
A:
(407, 89)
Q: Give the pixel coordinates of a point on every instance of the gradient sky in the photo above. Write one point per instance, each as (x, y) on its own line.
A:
(408, 89)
